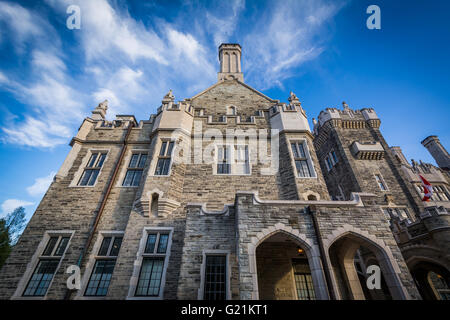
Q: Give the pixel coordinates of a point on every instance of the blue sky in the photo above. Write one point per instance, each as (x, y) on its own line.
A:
(133, 52)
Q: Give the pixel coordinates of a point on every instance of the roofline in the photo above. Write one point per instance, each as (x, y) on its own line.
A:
(242, 83)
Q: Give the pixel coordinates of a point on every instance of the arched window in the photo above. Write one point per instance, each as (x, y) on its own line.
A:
(312, 197)
(231, 110)
(154, 204)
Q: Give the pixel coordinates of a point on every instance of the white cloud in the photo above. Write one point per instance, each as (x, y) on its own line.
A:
(289, 34)
(133, 64)
(223, 25)
(40, 185)
(9, 205)
(20, 21)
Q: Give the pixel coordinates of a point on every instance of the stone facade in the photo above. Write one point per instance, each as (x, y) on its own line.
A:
(255, 221)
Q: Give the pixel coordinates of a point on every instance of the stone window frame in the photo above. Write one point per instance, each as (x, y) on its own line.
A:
(91, 263)
(154, 161)
(226, 253)
(230, 112)
(232, 163)
(31, 266)
(126, 162)
(382, 181)
(134, 279)
(308, 158)
(82, 167)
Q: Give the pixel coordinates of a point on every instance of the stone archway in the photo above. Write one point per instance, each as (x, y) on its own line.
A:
(341, 247)
(432, 278)
(298, 241)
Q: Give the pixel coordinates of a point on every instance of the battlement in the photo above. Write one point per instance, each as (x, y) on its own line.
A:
(347, 118)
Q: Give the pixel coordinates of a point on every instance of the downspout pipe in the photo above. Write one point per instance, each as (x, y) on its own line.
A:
(102, 203)
(311, 210)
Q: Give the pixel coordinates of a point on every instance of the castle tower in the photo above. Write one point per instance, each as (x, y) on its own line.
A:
(437, 151)
(230, 62)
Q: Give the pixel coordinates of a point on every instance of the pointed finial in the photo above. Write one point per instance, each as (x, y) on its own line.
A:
(103, 105)
(345, 105)
(169, 96)
(100, 111)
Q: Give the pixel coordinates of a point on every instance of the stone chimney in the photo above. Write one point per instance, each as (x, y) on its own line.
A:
(230, 62)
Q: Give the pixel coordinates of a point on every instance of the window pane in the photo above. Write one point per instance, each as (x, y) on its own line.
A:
(302, 150)
(93, 177)
(85, 177)
(162, 167)
(62, 246)
(166, 165)
(215, 278)
(134, 160)
(162, 245)
(101, 277)
(105, 246)
(91, 162)
(294, 150)
(142, 160)
(169, 151)
(334, 157)
(150, 277)
(302, 168)
(163, 148)
(41, 278)
(101, 160)
(116, 246)
(137, 178)
(128, 178)
(50, 245)
(150, 245)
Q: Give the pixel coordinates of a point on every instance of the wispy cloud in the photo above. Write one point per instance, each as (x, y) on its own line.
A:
(9, 205)
(133, 63)
(40, 185)
(288, 34)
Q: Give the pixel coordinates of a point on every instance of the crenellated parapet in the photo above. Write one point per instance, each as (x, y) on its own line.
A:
(174, 116)
(347, 118)
(288, 117)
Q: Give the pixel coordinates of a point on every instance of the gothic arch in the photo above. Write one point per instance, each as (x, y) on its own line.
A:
(311, 251)
(388, 264)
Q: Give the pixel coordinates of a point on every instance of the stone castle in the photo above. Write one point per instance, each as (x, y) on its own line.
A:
(167, 208)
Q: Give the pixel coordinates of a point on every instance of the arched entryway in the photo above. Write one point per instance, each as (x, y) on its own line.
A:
(432, 280)
(350, 254)
(284, 269)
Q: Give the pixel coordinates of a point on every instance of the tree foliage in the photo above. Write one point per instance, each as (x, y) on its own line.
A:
(11, 228)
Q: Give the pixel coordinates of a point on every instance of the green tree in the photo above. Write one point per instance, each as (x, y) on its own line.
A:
(5, 247)
(11, 228)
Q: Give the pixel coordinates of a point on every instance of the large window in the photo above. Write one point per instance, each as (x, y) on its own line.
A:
(104, 266)
(47, 265)
(223, 160)
(233, 159)
(215, 277)
(164, 158)
(135, 169)
(92, 169)
(303, 280)
(301, 156)
(154, 255)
